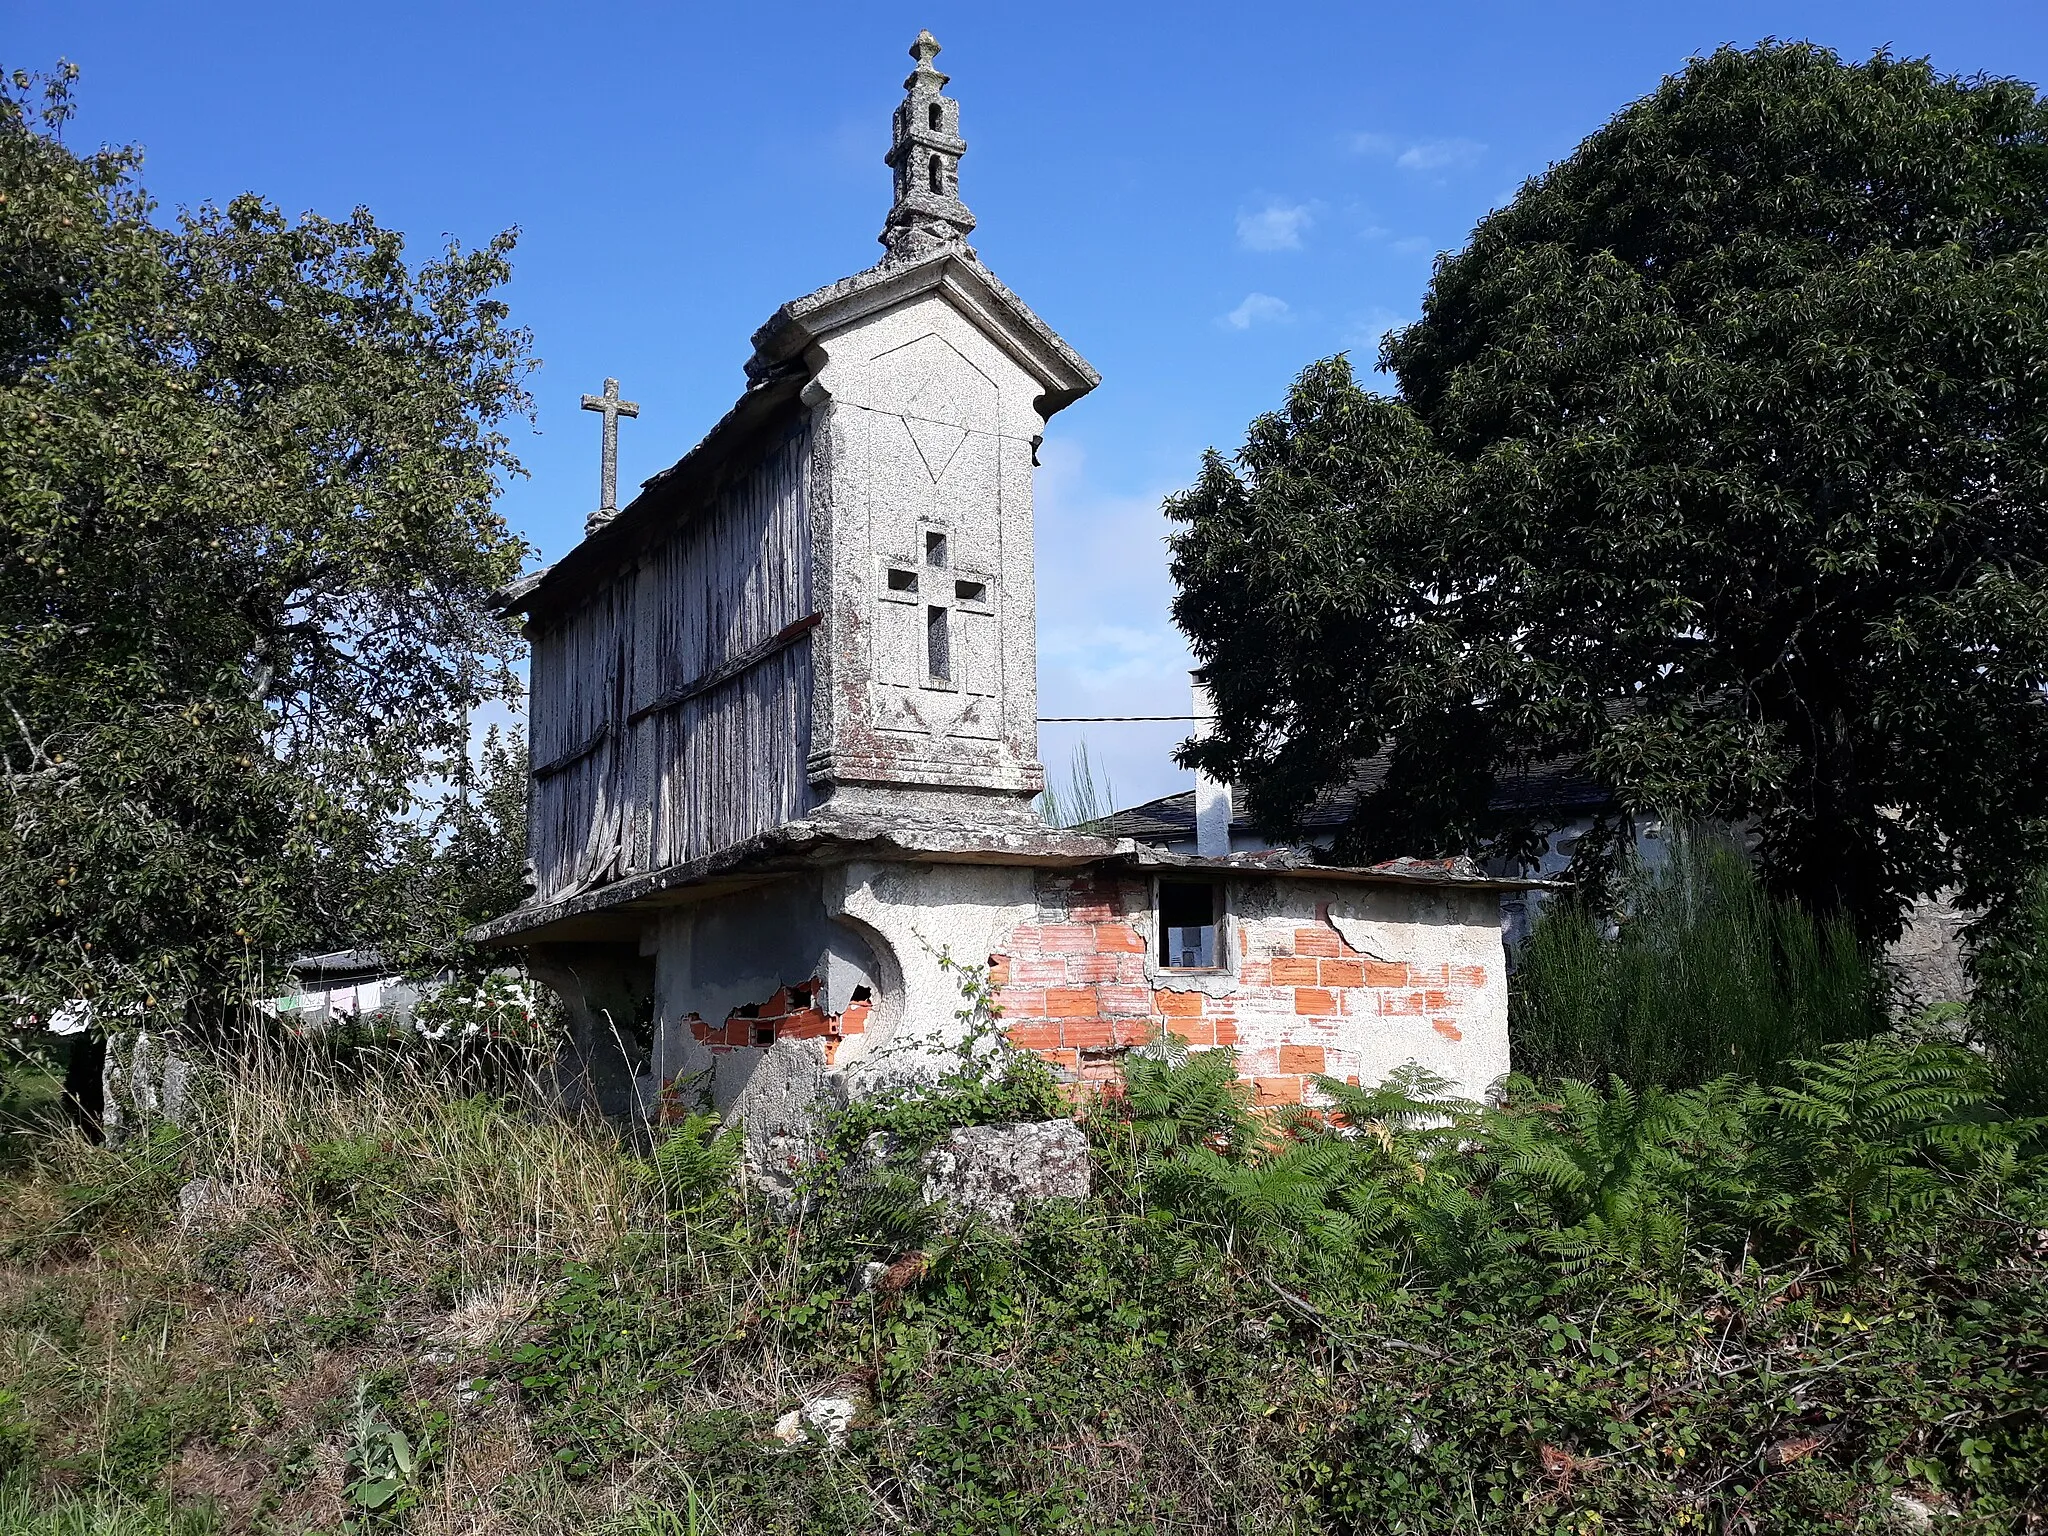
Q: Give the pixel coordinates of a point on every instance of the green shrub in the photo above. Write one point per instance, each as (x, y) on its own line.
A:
(2010, 1014)
(1703, 973)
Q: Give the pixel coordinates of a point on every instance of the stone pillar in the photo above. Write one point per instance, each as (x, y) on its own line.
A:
(607, 991)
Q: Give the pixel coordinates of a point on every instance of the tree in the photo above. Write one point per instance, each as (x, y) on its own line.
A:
(464, 866)
(1717, 460)
(247, 547)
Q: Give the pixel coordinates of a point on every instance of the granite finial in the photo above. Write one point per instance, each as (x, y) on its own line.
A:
(924, 152)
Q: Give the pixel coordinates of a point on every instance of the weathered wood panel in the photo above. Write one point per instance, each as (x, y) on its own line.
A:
(733, 758)
(578, 809)
(671, 713)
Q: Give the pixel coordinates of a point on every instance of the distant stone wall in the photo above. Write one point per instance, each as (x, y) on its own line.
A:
(1339, 980)
(1930, 958)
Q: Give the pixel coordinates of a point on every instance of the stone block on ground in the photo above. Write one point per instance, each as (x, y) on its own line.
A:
(993, 1171)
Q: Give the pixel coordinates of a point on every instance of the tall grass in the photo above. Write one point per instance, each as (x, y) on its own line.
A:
(347, 1213)
(1082, 801)
(1704, 973)
(41, 1513)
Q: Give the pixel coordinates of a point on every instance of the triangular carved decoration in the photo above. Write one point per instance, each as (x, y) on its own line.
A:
(936, 442)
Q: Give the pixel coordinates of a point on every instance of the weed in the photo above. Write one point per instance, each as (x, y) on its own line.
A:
(385, 1464)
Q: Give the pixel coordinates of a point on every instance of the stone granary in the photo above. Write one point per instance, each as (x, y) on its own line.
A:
(784, 751)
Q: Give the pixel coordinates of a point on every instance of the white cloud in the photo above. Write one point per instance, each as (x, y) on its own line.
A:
(1107, 644)
(1256, 309)
(1440, 155)
(1419, 154)
(1369, 329)
(1276, 227)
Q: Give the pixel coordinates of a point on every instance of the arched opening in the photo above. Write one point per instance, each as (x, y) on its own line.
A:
(935, 115)
(938, 175)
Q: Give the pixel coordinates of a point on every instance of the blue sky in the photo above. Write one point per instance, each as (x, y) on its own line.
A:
(1201, 198)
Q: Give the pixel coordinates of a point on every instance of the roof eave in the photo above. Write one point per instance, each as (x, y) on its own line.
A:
(642, 519)
(798, 845)
(1064, 375)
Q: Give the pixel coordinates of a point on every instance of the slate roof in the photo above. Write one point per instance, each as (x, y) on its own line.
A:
(1560, 786)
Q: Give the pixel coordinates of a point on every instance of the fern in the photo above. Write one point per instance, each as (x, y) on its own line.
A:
(1565, 1178)
(697, 1162)
(1869, 1133)
(1175, 1099)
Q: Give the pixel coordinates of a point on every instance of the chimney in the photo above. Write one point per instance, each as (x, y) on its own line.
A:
(1212, 798)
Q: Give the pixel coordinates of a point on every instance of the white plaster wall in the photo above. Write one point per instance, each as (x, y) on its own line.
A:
(1459, 930)
(879, 925)
(1368, 1036)
(915, 913)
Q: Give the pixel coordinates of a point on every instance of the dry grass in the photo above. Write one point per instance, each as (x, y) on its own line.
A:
(373, 1219)
(197, 1320)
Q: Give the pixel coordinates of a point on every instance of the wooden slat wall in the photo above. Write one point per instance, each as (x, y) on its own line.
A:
(715, 769)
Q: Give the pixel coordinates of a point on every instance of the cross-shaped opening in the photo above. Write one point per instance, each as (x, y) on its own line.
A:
(938, 643)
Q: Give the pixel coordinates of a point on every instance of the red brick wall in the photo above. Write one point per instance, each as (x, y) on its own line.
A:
(1077, 989)
(779, 1018)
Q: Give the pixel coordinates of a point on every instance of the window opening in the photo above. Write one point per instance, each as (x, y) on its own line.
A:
(1187, 925)
(935, 549)
(971, 591)
(938, 644)
(938, 174)
(935, 115)
(902, 580)
(764, 1034)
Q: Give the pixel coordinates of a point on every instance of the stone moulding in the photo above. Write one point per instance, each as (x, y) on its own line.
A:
(842, 839)
(977, 293)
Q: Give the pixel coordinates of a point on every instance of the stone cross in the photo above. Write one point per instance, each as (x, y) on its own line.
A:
(613, 408)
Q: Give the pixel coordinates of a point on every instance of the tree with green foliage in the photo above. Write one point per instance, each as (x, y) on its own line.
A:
(1718, 461)
(247, 547)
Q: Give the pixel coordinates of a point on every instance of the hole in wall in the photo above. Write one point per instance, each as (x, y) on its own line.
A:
(935, 115)
(902, 581)
(971, 591)
(935, 549)
(938, 643)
